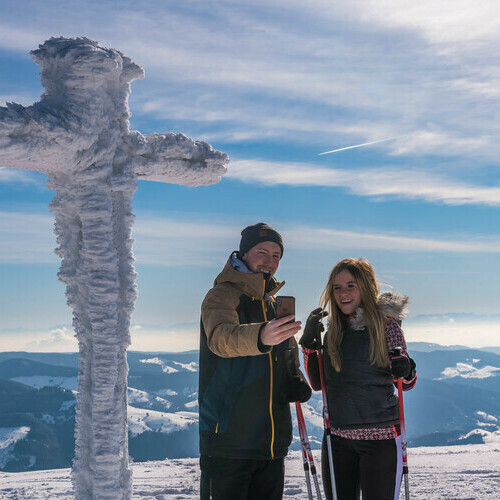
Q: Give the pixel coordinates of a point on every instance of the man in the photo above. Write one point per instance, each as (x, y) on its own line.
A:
(246, 378)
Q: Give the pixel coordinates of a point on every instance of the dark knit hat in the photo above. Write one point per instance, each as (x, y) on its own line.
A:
(258, 233)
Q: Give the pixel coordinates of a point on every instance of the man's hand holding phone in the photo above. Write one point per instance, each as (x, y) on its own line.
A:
(280, 329)
(284, 326)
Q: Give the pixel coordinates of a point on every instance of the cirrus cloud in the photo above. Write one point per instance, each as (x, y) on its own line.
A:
(391, 182)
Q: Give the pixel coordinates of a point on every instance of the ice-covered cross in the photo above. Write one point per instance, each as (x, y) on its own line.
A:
(78, 134)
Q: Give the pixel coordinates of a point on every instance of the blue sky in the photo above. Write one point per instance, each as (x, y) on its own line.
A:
(274, 84)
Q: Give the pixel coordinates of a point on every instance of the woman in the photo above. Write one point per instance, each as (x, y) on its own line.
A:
(364, 351)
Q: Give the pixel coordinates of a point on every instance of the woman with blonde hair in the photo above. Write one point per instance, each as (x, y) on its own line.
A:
(364, 352)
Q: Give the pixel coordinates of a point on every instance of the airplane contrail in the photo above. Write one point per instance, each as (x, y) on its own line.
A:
(358, 146)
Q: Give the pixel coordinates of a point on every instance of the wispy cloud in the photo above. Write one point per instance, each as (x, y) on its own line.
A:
(184, 242)
(173, 242)
(381, 182)
(484, 85)
(369, 240)
(60, 339)
(233, 121)
(11, 175)
(27, 237)
(480, 333)
(450, 22)
(20, 39)
(164, 339)
(57, 339)
(441, 143)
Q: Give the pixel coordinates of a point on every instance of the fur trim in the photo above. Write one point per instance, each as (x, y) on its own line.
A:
(393, 305)
(357, 320)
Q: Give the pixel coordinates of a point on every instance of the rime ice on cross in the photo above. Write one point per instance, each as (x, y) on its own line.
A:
(79, 135)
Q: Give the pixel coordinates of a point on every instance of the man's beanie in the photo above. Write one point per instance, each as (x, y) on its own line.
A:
(252, 235)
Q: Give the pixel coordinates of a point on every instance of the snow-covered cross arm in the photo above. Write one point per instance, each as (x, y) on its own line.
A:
(176, 159)
(32, 139)
(78, 134)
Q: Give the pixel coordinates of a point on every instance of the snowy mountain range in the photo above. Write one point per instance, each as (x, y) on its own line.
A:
(456, 401)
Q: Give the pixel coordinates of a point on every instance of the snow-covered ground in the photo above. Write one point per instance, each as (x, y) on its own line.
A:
(8, 438)
(39, 381)
(470, 472)
(140, 420)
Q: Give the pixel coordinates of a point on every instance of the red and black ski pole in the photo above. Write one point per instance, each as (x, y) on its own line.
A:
(404, 444)
(307, 456)
(326, 421)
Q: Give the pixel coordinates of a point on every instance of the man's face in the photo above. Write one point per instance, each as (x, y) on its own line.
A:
(263, 257)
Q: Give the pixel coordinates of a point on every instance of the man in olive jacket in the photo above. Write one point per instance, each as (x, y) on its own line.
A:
(246, 383)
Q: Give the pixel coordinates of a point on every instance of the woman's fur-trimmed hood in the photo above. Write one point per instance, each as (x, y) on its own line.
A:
(391, 304)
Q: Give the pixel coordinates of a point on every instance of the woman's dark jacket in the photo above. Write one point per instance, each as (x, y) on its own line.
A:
(361, 395)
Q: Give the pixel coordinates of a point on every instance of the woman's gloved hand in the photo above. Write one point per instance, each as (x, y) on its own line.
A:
(311, 338)
(401, 366)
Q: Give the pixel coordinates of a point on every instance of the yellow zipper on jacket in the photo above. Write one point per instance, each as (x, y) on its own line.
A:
(270, 384)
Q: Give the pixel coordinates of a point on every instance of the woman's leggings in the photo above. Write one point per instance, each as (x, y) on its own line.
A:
(374, 467)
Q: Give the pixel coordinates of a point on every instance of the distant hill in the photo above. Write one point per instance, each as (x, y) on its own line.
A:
(56, 359)
(494, 349)
(22, 367)
(456, 401)
(429, 346)
(37, 427)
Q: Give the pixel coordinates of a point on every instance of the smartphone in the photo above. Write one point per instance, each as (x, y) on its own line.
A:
(285, 305)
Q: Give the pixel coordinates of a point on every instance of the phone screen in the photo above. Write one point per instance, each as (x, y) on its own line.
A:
(285, 305)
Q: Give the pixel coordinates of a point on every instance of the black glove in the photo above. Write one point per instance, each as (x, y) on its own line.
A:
(311, 338)
(401, 366)
(297, 390)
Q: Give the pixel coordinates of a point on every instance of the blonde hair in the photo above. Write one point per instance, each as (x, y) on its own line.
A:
(364, 276)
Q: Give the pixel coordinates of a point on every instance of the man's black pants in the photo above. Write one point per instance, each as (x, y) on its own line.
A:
(240, 479)
(371, 466)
